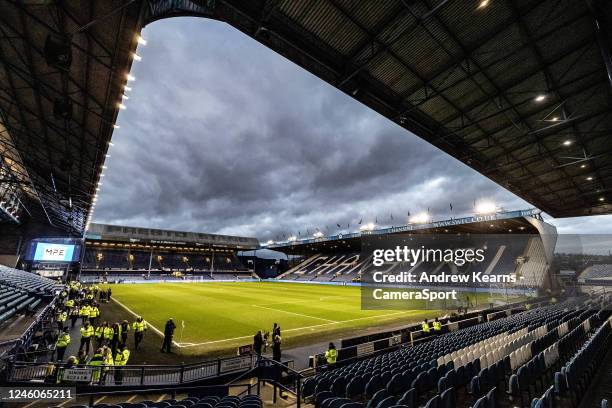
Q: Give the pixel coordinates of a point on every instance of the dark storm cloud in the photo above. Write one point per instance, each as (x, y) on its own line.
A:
(223, 135)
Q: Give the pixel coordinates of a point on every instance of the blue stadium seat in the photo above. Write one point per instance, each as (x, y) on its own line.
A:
(448, 398)
(408, 399)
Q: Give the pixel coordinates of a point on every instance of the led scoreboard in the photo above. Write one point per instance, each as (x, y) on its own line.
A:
(53, 252)
(53, 257)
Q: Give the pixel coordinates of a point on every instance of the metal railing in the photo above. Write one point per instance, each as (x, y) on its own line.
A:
(266, 371)
(131, 375)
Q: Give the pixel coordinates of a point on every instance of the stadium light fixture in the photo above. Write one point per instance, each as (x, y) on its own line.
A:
(485, 207)
(292, 238)
(127, 88)
(104, 167)
(540, 98)
(555, 119)
(136, 57)
(589, 178)
(270, 242)
(121, 106)
(601, 199)
(421, 218)
(111, 144)
(317, 234)
(367, 227)
(141, 40)
(130, 77)
(567, 143)
(115, 126)
(583, 166)
(124, 96)
(483, 4)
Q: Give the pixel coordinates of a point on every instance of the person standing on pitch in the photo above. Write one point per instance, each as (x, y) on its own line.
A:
(276, 348)
(258, 343)
(276, 331)
(62, 342)
(124, 329)
(139, 326)
(87, 331)
(168, 333)
(75, 312)
(121, 358)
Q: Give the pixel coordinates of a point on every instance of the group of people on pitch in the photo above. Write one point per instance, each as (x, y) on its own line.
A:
(110, 340)
(261, 342)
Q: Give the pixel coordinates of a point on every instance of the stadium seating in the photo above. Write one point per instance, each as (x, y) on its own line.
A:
(20, 291)
(525, 257)
(322, 267)
(598, 271)
(125, 261)
(474, 363)
(247, 401)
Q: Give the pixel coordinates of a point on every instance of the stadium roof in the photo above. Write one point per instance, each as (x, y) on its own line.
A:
(518, 90)
(508, 222)
(118, 233)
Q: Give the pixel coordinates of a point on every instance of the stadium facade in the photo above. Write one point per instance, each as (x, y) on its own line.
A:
(520, 243)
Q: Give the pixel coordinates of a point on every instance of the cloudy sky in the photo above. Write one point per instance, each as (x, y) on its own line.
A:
(223, 135)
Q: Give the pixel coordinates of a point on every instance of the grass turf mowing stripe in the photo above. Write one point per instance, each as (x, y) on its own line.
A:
(221, 315)
(294, 313)
(298, 328)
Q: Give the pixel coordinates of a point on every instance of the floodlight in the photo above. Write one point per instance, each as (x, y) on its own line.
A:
(485, 207)
(421, 218)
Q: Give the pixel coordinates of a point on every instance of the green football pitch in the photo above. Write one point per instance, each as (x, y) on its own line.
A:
(223, 315)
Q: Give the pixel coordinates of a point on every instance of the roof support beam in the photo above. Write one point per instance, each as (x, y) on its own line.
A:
(601, 34)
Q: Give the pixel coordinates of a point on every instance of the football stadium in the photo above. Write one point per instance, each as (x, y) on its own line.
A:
(143, 295)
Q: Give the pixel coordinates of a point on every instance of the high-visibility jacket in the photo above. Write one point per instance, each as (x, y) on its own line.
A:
(87, 331)
(121, 358)
(63, 294)
(96, 362)
(108, 360)
(94, 312)
(108, 333)
(89, 296)
(99, 331)
(69, 303)
(139, 326)
(85, 310)
(62, 317)
(425, 327)
(437, 326)
(331, 355)
(63, 340)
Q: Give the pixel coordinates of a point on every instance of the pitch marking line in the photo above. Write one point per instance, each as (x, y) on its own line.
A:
(155, 329)
(295, 329)
(294, 313)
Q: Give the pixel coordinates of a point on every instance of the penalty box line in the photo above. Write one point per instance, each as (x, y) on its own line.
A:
(186, 345)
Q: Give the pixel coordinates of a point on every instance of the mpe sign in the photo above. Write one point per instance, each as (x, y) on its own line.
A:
(53, 252)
